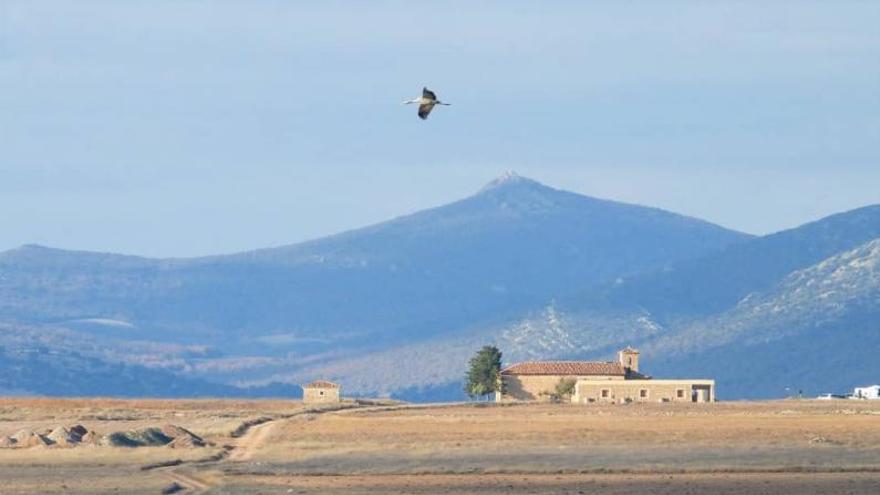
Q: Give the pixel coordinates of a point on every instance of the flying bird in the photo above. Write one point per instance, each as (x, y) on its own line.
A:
(426, 103)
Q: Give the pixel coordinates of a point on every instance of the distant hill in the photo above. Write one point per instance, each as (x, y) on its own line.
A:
(718, 281)
(35, 361)
(514, 244)
(397, 308)
(817, 330)
(759, 315)
(511, 247)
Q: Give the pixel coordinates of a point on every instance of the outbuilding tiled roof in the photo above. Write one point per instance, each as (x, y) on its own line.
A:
(565, 368)
(321, 384)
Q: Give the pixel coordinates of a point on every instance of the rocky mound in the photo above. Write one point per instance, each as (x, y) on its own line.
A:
(79, 430)
(59, 436)
(186, 442)
(27, 438)
(170, 435)
(183, 438)
(90, 438)
(144, 437)
(62, 437)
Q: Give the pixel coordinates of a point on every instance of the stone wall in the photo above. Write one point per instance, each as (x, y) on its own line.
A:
(536, 387)
(620, 391)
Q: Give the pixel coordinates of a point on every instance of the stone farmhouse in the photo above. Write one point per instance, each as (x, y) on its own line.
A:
(612, 382)
(321, 392)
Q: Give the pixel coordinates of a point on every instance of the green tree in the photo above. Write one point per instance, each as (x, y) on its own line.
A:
(565, 388)
(483, 374)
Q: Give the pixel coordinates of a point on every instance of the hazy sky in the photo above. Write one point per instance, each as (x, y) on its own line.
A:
(177, 128)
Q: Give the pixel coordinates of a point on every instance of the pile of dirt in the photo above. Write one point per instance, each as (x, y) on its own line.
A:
(170, 435)
(79, 430)
(186, 443)
(63, 437)
(183, 438)
(144, 437)
(72, 436)
(83, 436)
(90, 438)
(28, 438)
(60, 436)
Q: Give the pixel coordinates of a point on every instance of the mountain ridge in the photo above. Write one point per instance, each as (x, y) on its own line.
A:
(503, 246)
(687, 285)
(684, 347)
(503, 187)
(542, 272)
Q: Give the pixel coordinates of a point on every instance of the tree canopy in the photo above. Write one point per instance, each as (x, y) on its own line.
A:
(565, 388)
(482, 375)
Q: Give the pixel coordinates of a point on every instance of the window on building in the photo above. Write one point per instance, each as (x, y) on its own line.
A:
(643, 393)
(605, 393)
(320, 392)
(679, 393)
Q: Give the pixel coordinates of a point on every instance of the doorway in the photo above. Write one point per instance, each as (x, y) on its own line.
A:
(701, 393)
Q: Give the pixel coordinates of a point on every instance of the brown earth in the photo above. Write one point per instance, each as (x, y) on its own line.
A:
(572, 484)
(573, 438)
(283, 447)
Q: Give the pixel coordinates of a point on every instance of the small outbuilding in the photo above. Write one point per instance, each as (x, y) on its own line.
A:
(321, 392)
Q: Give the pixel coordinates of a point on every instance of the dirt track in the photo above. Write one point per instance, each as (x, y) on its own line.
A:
(256, 437)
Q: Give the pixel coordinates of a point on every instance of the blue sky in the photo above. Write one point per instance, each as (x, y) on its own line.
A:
(179, 128)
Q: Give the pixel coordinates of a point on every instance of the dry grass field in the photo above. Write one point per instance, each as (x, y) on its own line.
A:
(760, 447)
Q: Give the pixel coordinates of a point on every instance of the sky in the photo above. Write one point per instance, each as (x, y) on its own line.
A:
(186, 128)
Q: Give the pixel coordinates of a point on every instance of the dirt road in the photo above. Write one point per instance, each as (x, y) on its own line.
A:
(250, 439)
(255, 437)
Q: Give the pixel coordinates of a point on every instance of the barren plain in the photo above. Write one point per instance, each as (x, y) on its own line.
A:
(365, 448)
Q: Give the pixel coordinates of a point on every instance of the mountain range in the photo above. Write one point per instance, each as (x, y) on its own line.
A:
(397, 308)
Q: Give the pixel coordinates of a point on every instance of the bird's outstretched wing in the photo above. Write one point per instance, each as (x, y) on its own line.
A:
(427, 93)
(425, 109)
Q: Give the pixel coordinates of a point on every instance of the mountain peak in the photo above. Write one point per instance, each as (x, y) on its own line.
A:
(508, 178)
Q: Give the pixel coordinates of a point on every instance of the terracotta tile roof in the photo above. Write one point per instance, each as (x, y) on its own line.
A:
(321, 384)
(565, 368)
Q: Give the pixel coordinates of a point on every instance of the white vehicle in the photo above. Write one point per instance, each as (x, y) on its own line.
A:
(830, 397)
